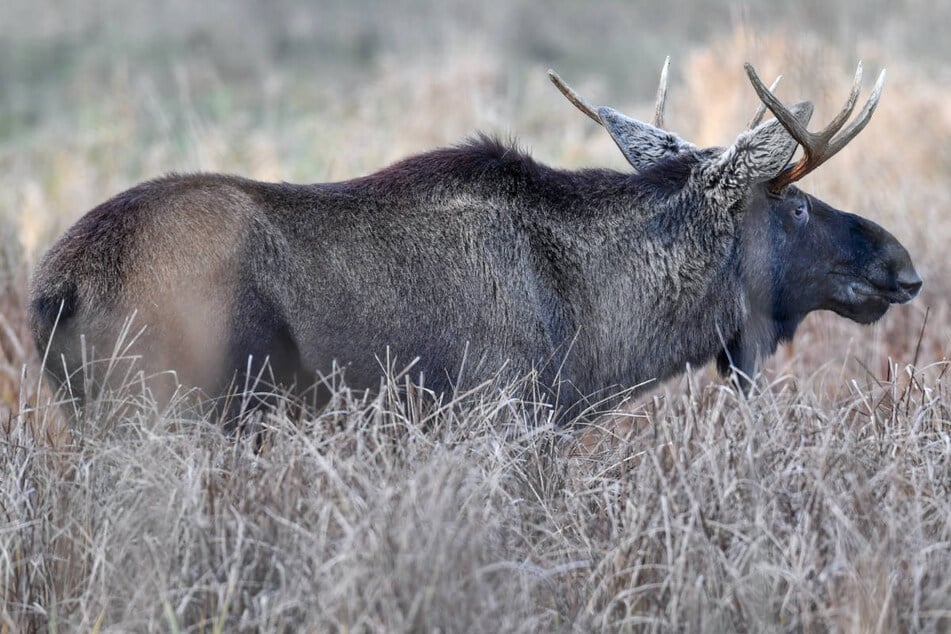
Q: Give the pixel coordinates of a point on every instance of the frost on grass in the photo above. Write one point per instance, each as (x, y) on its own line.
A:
(698, 511)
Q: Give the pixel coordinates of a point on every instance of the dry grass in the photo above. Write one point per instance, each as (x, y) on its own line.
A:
(821, 503)
(700, 511)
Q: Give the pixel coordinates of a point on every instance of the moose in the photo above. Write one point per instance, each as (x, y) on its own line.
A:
(475, 256)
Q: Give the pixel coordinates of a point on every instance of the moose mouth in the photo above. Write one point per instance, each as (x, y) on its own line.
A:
(866, 302)
(863, 290)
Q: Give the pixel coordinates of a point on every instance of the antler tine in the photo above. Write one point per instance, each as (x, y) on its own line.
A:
(661, 101)
(862, 120)
(573, 97)
(839, 120)
(789, 121)
(579, 102)
(761, 109)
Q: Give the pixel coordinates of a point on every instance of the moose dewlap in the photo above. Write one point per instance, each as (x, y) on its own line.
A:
(475, 256)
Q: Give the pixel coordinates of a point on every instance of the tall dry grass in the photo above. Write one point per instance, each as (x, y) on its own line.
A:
(701, 511)
(820, 503)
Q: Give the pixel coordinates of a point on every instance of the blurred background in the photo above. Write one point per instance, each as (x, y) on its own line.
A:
(98, 95)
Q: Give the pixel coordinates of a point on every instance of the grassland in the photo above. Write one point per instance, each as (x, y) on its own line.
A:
(823, 502)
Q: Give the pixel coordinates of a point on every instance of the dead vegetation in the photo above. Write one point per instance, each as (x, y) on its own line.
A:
(699, 511)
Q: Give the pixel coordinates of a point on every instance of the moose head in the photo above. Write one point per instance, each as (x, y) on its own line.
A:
(795, 253)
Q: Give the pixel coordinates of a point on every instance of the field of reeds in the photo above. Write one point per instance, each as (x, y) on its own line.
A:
(820, 503)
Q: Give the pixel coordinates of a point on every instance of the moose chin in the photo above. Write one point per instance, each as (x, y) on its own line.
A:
(477, 256)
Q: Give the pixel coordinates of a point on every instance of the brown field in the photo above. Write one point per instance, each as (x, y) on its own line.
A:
(823, 502)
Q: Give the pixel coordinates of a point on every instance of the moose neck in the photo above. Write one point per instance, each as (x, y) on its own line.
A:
(646, 275)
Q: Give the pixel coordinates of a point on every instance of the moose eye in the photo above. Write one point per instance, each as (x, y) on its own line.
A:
(801, 212)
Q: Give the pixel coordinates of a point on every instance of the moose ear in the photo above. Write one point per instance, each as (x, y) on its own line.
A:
(757, 155)
(643, 145)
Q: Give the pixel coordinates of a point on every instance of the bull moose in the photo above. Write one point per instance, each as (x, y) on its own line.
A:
(475, 255)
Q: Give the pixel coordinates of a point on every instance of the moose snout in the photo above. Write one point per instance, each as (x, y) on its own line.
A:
(902, 282)
(910, 282)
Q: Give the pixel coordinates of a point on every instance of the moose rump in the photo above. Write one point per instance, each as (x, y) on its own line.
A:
(145, 282)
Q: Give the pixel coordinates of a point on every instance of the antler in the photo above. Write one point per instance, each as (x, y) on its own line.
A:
(660, 102)
(817, 147)
(573, 97)
(761, 109)
(582, 105)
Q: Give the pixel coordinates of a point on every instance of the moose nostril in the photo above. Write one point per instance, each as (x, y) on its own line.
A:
(910, 284)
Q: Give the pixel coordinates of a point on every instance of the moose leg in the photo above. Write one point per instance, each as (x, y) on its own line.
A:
(263, 361)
